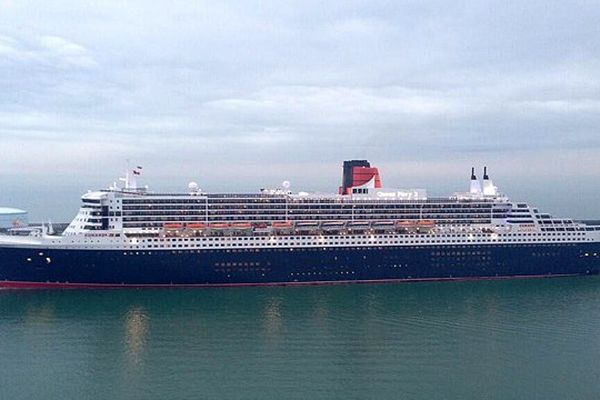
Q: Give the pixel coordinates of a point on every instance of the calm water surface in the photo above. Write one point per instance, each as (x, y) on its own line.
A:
(526, 339)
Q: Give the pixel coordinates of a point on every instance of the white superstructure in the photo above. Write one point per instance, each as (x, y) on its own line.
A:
(134, 218)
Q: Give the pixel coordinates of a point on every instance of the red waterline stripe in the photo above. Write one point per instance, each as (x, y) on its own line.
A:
(59, 285)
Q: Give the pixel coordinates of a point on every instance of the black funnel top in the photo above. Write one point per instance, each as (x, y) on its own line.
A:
(348, 165)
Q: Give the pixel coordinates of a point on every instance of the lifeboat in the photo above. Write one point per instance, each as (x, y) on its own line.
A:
(425, 226)
(282, 224)
(196, 225)
(219, 225)
(307, 225)
(359, 225)
(425, 223)
(241, 225)
(383, 225)
(333, 225)
(405, 224)
(173, 226)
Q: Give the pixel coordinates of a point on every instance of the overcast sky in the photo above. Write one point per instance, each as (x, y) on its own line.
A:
(241, 95)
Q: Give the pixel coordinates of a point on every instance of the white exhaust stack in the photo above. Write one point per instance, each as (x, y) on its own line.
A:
(475, 185)
(488, 186)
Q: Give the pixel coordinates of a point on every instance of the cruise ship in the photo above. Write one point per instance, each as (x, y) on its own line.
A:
(129, 236)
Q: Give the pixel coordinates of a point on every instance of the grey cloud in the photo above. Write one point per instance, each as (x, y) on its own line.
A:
(234, 87)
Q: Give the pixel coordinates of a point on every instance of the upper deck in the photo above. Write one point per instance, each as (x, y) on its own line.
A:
(362, 203)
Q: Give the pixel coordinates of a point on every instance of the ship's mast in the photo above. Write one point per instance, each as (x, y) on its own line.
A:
(130, 180)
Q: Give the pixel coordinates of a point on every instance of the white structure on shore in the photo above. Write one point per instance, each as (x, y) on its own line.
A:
(13, 218)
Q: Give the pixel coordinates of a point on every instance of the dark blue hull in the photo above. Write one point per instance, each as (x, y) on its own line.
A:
(21, 267)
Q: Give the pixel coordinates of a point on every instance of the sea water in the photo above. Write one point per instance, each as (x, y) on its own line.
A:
(512, 339)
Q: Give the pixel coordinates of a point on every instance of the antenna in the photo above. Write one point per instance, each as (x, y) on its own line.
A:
(127, 175)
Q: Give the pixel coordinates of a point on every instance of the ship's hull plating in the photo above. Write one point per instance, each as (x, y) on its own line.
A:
(43, 267)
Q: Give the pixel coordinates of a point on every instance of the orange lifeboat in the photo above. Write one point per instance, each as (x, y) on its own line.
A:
(241, 225)
(405, 224)
(173, 226)
(426, 223)
(196, 225)
(219, 225)
(425, 226)
(282, 224)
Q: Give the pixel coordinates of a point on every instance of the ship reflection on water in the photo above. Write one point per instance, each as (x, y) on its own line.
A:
(272, 316)
(136, 331)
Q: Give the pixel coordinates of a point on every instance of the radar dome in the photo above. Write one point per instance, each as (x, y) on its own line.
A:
(193, 187)
(286, 184)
